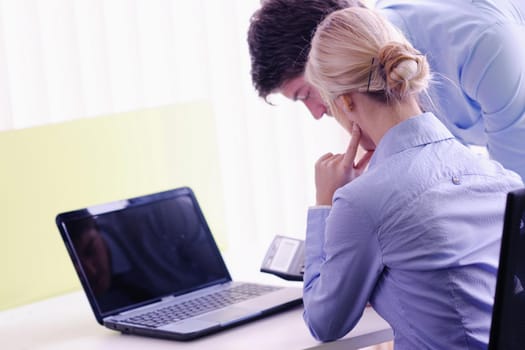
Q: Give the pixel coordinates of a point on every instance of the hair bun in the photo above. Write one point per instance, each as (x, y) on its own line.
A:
(405, 70)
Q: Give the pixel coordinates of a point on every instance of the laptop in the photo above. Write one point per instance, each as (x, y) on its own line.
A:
(508, 316)
(150, 266)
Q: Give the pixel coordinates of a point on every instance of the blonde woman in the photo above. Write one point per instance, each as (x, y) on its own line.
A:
(417, 234)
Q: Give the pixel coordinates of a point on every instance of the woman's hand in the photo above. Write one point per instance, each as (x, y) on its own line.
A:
(334, 171)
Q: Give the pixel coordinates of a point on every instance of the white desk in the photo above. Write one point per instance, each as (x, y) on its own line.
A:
(66, 322)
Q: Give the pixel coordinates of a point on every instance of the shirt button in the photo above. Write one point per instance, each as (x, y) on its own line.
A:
(456, 180)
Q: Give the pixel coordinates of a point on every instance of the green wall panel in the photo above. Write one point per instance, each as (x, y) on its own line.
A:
(60, 167)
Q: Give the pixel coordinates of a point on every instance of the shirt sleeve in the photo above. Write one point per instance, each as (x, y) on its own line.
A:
(342, 266)
(494, 77)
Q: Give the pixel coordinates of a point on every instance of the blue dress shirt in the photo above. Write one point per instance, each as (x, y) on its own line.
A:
(417, 235)
(477, 51)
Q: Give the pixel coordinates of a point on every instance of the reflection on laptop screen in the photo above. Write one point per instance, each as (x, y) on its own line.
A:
(508, 320)
(143, 252)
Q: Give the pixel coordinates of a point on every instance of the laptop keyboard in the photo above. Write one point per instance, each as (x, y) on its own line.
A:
(200, 305)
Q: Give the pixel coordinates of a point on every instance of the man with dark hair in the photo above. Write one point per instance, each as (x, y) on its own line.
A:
(279, 52)
(473, 47)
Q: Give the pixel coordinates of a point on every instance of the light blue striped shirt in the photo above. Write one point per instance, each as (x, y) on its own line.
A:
(417, 235)
(476, 50)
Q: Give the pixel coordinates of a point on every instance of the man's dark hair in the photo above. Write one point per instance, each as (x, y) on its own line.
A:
(279, 38)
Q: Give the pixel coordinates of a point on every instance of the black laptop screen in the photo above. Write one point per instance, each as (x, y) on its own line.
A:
(508, 319)
(142, 249)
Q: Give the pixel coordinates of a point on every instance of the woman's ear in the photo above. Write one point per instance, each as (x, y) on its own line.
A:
(345, 111)
(348, 104)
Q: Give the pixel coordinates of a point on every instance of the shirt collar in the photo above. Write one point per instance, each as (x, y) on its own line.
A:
(416, 131)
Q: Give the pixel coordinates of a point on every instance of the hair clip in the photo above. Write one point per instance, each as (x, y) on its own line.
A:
(370, 75)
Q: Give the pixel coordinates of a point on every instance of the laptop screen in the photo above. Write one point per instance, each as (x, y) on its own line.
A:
(508, 319)
(136, 251)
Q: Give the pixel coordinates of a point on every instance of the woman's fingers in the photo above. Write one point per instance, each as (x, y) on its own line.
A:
(351, 151)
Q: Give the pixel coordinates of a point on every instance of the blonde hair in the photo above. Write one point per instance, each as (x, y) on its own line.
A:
(356, 49)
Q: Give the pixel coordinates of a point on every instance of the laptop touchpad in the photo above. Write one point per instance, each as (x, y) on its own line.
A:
(188, 326)
(228, 315)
